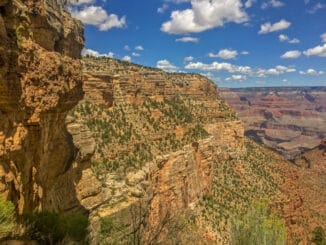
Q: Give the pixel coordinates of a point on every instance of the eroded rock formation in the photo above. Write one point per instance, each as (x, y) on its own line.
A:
(158, 136)
(40, 81)
(168, 144)
(290, 120)
(142, 148)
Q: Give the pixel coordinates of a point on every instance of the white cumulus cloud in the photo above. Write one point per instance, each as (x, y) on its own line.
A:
(110, 54)
(319, 50)
(216, 66)
(126, 47)
(238, 78)
(285, 38)
(126, 58)
(81, 2)
(268, 27)
(188, 59)
(166, 66)
(187, 39)
(139, 48)
(249, 3)
(211, 76)
(323, 37)
(312, 72)
(204, 15)
(277, 70)
(224, 54)
(272, 3)
(135, 54)
(91, 52)
(97, 16)
(240, 70)
(163, 8)
(292, 54)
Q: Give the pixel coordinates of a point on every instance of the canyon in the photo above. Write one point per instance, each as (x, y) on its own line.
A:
(290, 120)
(147, 156)
(170, 148)
(156, 143)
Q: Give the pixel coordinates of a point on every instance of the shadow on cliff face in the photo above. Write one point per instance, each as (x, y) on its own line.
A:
(253, 135)
(82, 146)
(40, 81)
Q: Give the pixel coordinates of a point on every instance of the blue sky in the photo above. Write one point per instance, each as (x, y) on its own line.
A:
(235, 43)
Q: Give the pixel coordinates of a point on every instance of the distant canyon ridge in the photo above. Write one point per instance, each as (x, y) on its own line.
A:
(290, 120)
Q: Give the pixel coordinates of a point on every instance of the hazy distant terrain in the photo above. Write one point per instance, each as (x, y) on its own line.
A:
(288, 119)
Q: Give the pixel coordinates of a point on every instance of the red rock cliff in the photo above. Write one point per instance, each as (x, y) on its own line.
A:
(40, 81)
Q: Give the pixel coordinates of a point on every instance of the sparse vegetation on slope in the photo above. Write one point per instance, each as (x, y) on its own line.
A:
(319, 237)
(129, 136)
(238, 183)
(149, 127)
(258, 226)
(7, 217)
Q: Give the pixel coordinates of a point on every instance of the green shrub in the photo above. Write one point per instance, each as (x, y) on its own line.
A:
(319, 236)
(258, 226)
(75, 226)
(106, 225)
(50, 227)
(43, 226)
(7, 217)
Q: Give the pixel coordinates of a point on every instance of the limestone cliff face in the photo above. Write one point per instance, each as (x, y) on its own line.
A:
(179, 180)
(143, 147)
(40, 81)
(168, 144)
(158, 136)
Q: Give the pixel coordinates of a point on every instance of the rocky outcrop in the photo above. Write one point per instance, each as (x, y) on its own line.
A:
(143, 147)
(194, 157)
(40, 81)
(289, 120)
(179, 180)
(305, 207)
(82, 139)
(158, 136)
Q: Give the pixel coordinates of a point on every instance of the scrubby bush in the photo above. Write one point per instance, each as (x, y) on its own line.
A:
(106, 225)
(50, 227)
(258, 226)
(319, 237)
(43, 226)
(75, 226)
(7, 217)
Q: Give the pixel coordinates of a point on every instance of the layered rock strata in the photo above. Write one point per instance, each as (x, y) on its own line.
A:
(168, 144)
(40, 81)
(158, 136)
(290, 120)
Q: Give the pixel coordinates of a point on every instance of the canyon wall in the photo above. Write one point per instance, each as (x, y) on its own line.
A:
(150, 156)
(158, 136)
(172, 163)
(289, 120)
(140, 135)
(40, 81)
